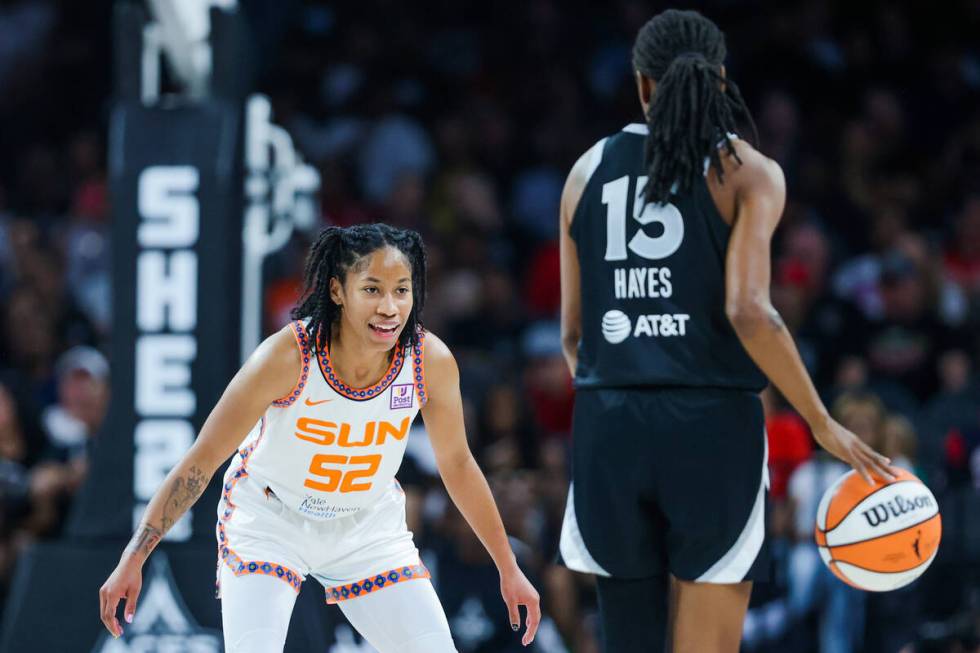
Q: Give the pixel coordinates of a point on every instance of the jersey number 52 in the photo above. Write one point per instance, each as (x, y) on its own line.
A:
(345, 480)
(615, 195)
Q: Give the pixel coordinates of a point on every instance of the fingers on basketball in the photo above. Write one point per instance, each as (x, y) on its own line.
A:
(876, 464)
(859, 462)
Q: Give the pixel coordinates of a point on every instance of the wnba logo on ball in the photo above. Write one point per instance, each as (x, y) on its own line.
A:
(616, 326)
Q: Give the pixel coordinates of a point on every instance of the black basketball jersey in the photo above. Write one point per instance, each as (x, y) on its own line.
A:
(652, 281)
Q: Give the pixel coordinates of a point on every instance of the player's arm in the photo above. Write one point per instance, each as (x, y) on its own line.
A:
(571, 298)
(269, 374)
(759, 197)
(467, 487)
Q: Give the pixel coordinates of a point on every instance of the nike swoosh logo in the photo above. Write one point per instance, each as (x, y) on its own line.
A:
(316, 403)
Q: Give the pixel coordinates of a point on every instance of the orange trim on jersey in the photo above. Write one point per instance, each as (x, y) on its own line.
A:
(384, 579)
(361, 394)
(418, 368)
(303, 342)
(237, 565)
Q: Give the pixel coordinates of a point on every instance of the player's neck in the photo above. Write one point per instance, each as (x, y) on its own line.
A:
(357, 364)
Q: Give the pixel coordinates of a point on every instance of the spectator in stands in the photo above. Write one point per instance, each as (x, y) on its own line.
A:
(83, 395)
(69, 426)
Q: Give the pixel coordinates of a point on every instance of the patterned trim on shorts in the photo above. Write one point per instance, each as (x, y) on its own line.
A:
(240, 568)
(353, 590)
(225, 553)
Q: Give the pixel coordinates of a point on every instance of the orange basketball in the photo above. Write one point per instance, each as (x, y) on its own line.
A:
(879, 537)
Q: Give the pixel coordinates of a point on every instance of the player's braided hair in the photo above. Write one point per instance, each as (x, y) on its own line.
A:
(335, 252)
(694, 108)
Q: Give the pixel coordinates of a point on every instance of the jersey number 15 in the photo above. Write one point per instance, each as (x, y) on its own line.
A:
(615, 195)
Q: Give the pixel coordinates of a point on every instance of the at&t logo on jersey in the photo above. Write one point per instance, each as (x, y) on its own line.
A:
(617, 327)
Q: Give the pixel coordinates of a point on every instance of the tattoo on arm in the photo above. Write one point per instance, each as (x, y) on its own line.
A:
(183, 492)
(145, 540)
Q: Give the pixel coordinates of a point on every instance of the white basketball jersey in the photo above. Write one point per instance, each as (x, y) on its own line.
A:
(327, 449)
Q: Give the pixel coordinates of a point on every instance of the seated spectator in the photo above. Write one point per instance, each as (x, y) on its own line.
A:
(82, 375)
(903, 344)
(69, 425)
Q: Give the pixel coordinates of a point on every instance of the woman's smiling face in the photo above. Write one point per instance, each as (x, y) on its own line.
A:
(376, 298)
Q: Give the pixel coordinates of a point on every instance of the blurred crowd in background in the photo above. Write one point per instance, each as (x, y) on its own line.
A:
(461, 120)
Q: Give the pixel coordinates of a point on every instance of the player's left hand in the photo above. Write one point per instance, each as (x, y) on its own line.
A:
(517, 591)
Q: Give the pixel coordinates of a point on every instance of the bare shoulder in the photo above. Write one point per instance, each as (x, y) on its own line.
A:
(753, 169)
(441, 371)
(280, 346)
(277, 361)
(437, 356)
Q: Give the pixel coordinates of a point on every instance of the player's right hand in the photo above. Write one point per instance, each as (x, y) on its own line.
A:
(125, 582)
(847, 446)
(517, 590)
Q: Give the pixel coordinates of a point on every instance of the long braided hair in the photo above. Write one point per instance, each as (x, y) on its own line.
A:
(338, 249)
(694, 108)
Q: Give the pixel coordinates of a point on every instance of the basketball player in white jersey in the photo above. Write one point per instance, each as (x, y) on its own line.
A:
(326, 404)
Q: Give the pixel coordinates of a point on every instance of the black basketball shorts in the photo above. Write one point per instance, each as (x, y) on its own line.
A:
(667, 480)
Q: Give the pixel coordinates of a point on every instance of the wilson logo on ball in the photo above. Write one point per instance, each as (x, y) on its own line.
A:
(897, 507)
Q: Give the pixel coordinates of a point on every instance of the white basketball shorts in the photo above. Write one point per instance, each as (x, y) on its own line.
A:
(350, 556)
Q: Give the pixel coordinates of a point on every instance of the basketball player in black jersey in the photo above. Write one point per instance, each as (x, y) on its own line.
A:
(670, 335)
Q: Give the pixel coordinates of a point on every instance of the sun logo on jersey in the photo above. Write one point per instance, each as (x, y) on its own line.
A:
(616, 326)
